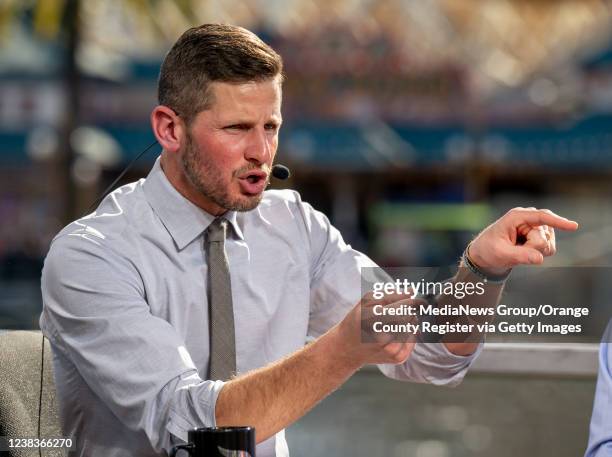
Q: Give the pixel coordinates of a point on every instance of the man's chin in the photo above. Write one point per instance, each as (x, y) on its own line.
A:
(247, 202)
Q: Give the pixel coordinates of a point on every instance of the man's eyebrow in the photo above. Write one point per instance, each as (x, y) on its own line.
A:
(274, 119)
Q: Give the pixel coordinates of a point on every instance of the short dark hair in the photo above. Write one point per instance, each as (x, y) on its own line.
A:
(208, 53)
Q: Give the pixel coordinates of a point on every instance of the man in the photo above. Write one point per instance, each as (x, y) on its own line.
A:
(145, 329)
(600, 436)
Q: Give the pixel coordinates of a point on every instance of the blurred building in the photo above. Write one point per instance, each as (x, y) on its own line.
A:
(391, 108)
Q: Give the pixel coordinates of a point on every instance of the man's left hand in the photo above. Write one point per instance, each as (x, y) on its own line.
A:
(521, 236)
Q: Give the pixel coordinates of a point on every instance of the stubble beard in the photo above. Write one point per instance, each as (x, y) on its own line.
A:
(207, 179)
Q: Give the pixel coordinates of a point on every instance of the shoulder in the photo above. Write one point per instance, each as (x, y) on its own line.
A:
(276, 197)
(286, 209)
(94, 253)
(285, 205)
(286, 199)
(106, 230)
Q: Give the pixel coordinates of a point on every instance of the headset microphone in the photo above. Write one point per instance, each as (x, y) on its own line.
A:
(280, 172)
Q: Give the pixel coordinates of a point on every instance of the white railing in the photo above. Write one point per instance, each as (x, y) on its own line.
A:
(553, 359)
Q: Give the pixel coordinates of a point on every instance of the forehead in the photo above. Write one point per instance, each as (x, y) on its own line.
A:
(252, 98)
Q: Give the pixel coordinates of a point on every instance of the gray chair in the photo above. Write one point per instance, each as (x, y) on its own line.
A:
(28, 406)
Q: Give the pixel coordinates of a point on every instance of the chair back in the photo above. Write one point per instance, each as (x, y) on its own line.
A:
(28, 406)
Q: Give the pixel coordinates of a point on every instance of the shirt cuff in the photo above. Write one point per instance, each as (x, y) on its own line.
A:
(432, 363)
(193, 406)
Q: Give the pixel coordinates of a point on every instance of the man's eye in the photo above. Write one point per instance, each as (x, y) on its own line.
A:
(272, 127)
(236, 127)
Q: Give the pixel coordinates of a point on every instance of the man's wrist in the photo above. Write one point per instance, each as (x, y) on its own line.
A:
(337, 348)
(493, 277)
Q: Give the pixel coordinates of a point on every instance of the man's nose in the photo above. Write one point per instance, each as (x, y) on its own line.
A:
(259, 148)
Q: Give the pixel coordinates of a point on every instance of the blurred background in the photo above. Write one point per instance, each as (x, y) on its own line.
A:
(411, 123)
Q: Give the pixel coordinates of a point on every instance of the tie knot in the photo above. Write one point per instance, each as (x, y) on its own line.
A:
(216, 230)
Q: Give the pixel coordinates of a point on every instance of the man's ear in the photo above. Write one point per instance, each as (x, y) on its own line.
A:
(168, 128)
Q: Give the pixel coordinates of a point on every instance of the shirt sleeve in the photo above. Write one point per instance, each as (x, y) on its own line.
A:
(95, 313)
(600, 435)
(432, 363)
(338, 281)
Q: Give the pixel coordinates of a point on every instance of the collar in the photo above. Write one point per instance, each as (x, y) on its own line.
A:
(183, 220)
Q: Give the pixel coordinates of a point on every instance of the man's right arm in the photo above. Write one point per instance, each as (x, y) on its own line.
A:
(273, 397)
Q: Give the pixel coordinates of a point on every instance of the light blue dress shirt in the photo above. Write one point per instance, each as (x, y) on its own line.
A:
(125, 309)
(600, 437)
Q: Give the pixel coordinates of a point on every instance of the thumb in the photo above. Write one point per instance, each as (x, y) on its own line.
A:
(515, 255)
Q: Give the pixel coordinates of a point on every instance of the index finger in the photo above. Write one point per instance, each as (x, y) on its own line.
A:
(542, 217)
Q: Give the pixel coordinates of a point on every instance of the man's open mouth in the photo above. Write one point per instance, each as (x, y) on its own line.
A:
(253, 182)
(254, 176)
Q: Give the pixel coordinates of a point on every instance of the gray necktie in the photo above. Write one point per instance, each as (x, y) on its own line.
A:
(222, 339)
